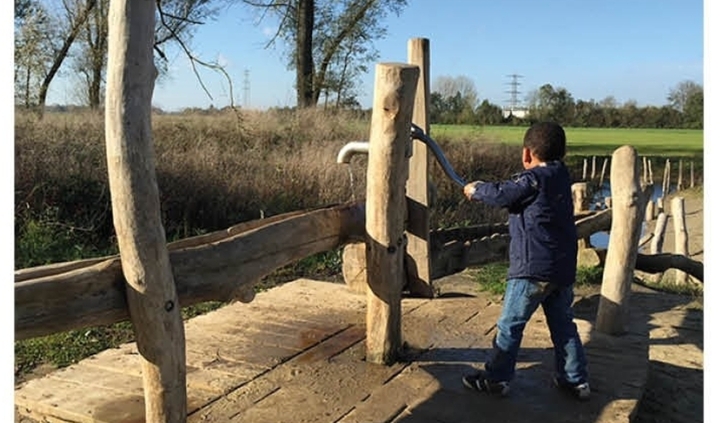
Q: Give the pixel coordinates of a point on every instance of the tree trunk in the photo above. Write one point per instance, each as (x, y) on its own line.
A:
(60, 57)
(304, 67)
(151, 294)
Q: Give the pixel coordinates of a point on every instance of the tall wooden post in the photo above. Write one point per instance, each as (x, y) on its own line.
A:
(656, 244)
(622, 246)
(602, 172)
(692, 174)
(417, 258)
(585, 168)
(387, 173)
(151, 295)
(592, 171)
(681, 236)
(680, 185)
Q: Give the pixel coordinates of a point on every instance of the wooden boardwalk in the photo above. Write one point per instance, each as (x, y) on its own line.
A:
(295, 354)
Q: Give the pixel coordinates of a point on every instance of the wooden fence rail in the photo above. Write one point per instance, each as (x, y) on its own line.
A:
(221, 270)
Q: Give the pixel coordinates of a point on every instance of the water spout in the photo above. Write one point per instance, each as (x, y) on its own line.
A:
(352, 148)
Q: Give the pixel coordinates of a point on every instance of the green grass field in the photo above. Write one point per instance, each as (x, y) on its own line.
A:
(591, 141)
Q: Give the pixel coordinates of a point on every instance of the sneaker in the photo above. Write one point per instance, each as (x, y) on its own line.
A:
(580, 391)
(478, 382)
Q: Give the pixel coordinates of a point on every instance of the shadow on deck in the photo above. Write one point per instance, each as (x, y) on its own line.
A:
(296, 354)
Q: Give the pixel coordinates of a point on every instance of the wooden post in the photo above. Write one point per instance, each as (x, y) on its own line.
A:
(602, 172)
(387, 173)
(650, 211)
(622, 246)
(656, 243)
(692, 174)
(666, 179)
(417, 257)
(651, 180)
(581, 203)
(645, 169)
(151, 294)
(585, 169)
(680, 179)
(608, 202)
(592, 172)
(681, 236)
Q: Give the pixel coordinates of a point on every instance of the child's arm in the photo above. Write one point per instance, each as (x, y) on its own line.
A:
(515, 191)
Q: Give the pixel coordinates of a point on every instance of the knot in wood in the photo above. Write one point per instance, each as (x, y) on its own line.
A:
(169, 305)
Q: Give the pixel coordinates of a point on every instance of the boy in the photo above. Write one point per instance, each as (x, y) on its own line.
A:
(543, 258)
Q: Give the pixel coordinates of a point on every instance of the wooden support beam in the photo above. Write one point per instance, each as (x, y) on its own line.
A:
(417, 257)
(681, 236)
(628, 207)
(219, 271)
(151, 295)
(387, 173)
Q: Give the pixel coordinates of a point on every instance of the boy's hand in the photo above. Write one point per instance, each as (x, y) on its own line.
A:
(469, 190)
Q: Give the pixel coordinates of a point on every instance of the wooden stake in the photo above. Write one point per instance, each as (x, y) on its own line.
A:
(624, 236)
(681, 236)
(602, 172)
(680, 174)
(417, 258)
(585, 169)
(151, 294)
(387, 173)
(592, 172)
(692, 174)
(651, 180)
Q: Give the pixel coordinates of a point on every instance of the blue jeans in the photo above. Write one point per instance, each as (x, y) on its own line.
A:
(522, 298)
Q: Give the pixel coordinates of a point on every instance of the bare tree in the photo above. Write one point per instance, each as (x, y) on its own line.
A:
(90, 63)
(324, 36)
(34, 50)
(683, 91)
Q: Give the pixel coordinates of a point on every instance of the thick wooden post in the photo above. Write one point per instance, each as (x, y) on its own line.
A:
(681, 236)
(387, 173)
(417, 258)
(624, 236)
(151, 295)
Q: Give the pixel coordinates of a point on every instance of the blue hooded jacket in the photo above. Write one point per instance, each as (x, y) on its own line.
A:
(543, 243)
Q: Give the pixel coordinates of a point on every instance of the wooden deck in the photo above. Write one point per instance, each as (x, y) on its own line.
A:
(295, 354)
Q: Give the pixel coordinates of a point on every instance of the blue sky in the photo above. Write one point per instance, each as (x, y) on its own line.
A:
(630, 49)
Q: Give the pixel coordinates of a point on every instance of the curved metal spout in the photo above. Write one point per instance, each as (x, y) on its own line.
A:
(362, 147)
(352, 148)
(420, 135)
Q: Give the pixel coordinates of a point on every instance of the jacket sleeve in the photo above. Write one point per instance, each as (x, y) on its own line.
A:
(518, 190)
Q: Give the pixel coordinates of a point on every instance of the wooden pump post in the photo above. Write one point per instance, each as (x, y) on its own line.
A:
(418, 227)
(387, 173)
(151, 295)
(627, 215)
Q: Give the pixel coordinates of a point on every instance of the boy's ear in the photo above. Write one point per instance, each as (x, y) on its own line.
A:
(527, 156)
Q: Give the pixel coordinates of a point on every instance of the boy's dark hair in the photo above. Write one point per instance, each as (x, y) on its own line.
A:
(546, 140)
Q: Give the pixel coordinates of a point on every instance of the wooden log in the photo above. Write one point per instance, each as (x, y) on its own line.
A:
(650, 211)
(658, 234)
(680, 185)
(213, 272)
(580, 196)
(58, 268)
(624, 237)
(151, 295)
(387, 173)
(456, 256)
(440, 237)
(681, 236)
(602, 172)
(598, 222)
(692, 174)
(417, 257)
(650, 263)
